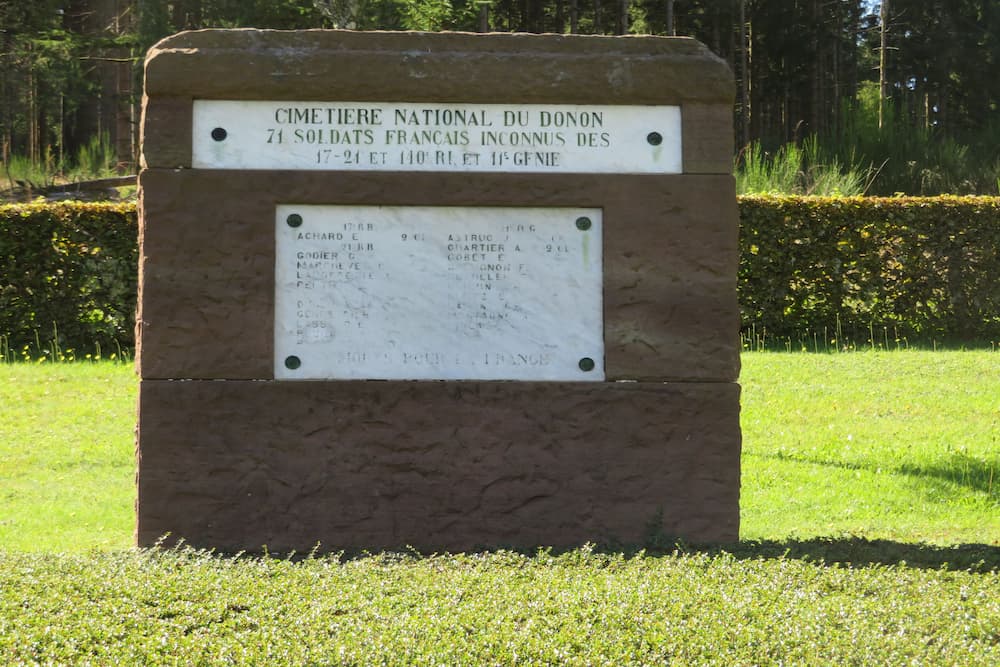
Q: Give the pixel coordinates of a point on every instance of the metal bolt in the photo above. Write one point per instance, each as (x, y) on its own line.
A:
(219, 134)
(586, 364)
(654, 138)
(583, 223)
(292, 362)
(294, 220)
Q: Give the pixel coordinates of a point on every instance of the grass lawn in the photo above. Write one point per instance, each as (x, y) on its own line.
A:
(871, 526)
(896, 445)
(67, 456)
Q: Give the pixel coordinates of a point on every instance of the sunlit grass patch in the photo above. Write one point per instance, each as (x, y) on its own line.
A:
(67, 456)
(901, 445)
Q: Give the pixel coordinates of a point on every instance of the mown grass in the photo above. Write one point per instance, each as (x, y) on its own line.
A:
(67, 461)
(882, 453)
(894, 445)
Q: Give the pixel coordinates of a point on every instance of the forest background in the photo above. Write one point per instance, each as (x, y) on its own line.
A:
(833, 96)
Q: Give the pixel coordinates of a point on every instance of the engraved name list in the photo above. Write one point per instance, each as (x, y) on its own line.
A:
(409, 292)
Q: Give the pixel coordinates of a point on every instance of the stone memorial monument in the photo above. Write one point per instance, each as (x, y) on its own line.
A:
(440, 290)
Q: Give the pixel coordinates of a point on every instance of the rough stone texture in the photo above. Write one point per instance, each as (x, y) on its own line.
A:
(258, 64)
(207, 269)
(339, 65)
(707, 138)
(435, 465)
(166, 132)
(231, 459)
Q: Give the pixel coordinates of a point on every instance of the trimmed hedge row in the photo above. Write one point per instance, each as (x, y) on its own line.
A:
(920, 268)
(843, 268)
(67, 277)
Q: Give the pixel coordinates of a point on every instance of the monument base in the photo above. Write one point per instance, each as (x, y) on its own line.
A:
(244, 465)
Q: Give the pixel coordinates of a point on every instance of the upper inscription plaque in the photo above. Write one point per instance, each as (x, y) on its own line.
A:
(442, 293)
(375, 136)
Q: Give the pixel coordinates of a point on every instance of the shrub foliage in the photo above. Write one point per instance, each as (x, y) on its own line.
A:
(855, 268)
(68, 276)
(844, 268)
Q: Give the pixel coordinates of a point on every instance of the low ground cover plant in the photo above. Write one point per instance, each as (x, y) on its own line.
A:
(577, 608)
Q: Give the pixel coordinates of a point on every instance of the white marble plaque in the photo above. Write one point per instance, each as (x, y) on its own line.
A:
(373, 136)
(438, 293)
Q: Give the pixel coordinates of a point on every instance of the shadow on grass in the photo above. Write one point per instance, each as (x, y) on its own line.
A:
(975, 474)
(861, 552)
(854, 552)
(968, 471)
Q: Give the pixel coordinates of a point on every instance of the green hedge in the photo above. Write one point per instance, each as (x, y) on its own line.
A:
(815, 271)
(849, 269)
(68, 276)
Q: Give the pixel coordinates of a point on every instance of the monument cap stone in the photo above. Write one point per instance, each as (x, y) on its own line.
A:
(497, 68)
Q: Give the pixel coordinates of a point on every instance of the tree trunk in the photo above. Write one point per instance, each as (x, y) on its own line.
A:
(32, 113)
(6, 96)
(717, 34)
(110, 113)
(816, 103)
(838, 33)
(622, 17)
(187, 14)
(883, 87)
(484, 17)
(744, 77)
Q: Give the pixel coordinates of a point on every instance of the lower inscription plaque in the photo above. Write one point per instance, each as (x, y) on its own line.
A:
(438, 293)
